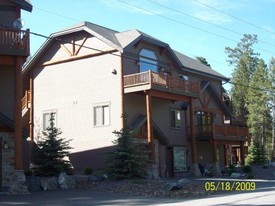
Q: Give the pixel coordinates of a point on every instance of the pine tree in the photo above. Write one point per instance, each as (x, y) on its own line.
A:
(49, 153)
(203, 61)
(244, 60)
(257, 103)
(129, 160)
(272, 101)
(256, 154)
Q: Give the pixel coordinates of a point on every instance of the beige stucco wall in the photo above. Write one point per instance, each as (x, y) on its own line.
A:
(72, 89)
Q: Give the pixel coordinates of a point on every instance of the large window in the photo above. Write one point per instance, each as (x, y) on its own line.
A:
(102, 115)
(47, 119)
(148, 61)
(175, 118)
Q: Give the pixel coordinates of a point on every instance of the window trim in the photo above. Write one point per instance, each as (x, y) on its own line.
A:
(48, 112)
(101, 106)
(149, 60)
(180, 112)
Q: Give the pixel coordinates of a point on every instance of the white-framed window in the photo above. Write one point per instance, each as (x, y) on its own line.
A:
(183, 76)
(175, 118)
(102, 115)
(47, 119)
(148, 60)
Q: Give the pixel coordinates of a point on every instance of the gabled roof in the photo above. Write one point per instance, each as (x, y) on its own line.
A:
(23, 4)
(195, 66)
(122, 41)
(213, 91)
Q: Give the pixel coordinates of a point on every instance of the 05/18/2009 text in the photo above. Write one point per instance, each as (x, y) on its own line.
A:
(229, 186)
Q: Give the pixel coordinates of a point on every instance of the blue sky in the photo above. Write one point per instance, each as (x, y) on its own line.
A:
(193, 27)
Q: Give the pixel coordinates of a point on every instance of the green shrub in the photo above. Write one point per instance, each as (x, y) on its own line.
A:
(232, 169)
(28, 172)
(247, 169)
(88, 171)
(250, 176)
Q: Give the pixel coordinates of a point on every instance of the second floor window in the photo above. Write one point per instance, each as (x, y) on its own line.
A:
(175, 118)
(148, 61)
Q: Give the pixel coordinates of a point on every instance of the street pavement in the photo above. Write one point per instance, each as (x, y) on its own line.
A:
(263, 195)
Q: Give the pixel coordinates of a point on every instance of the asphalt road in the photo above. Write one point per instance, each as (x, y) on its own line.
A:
(263, 195)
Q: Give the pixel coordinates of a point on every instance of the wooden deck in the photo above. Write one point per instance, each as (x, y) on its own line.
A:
(150, 80)
(15, 43)
(220, 132)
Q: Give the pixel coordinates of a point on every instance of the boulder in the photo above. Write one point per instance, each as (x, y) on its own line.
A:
(173, 186)
(97, 178)
(184, 181)
(65, 181)
(49, 183)
(235, 175)
(273, 164)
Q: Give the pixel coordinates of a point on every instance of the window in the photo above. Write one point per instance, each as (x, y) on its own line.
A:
(148, 60)
(102, 115)
(183, 76)
(175, 118)
(47, 118)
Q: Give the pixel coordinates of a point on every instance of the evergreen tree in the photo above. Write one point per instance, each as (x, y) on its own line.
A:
(257, 104)
(256, 154)
(272, 101)
(129, 159)
(244, 60)
(49, 153)
(203, 61)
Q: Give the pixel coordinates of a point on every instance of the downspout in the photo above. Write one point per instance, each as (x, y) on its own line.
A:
(122, 91)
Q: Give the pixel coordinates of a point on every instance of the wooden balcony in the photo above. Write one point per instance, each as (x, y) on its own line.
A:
(220, 132)
(26, 100)
(14, 42)
(150, 80)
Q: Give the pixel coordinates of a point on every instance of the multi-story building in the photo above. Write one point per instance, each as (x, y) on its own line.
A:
(14, 49)
(97, 80)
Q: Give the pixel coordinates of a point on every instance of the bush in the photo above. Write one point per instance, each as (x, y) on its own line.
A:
(129, 160)
(250, 176)
(247, 169)
(88, 171)
(28, 172)
(232, 169)
(48, 155)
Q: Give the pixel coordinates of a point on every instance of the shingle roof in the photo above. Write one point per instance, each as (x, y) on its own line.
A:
(24, 4)
(123, 40)
(195, 65)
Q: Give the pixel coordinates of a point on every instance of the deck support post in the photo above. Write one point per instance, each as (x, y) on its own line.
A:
(149, 126)
(18, 141)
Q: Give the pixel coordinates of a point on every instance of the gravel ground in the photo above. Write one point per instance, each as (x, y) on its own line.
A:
(157, 188)
(147, 188)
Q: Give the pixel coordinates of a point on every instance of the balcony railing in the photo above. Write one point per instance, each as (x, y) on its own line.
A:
(221, 132)
(14, 42)
(159, 81)
(26, 99)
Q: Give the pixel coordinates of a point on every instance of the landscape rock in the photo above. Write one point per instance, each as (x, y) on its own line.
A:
(33, 183)
(173, 186)
(97, 178)
(273, 164)
(235, 175)
(184, 181)
(65, 181)
(49, 183)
